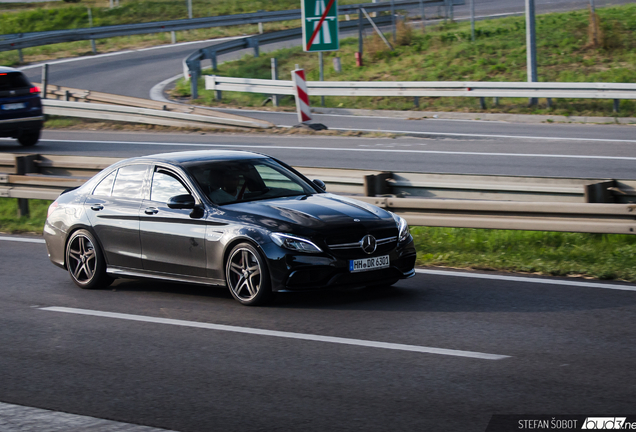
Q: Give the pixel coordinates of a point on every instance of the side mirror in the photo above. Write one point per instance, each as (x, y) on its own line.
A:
(321, 184)
(181, 202)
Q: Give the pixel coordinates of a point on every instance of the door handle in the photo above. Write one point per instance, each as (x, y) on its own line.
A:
(97, 207)
(151, 210)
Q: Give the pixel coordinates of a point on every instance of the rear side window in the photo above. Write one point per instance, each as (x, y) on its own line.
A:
(129, 181)
(13, 80)
(106, 185)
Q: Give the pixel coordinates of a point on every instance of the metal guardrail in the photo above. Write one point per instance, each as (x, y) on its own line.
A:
(71, 102)
(26, 40)
(468, 201)
(553, 90)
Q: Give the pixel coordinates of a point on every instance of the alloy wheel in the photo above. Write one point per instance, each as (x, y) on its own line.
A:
(82, 259)
(244, 274)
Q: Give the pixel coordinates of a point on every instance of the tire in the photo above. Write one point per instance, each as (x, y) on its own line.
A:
(85, 261)
(247, 275)
(30, 138)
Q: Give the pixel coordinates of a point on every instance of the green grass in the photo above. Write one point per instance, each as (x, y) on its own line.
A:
(601, 256)
(446, 53)
(11, 223)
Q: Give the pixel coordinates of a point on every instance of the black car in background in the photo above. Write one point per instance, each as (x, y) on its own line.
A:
(20, 107)
(239, 219)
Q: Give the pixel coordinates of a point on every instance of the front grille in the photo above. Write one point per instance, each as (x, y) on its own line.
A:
(358, 244)
(349, 245)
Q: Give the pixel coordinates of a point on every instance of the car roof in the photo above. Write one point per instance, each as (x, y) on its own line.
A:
(203, 156)
(5, 69)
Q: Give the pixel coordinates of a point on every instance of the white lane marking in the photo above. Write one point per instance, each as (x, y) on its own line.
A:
(29, 419)
(22, 239)
(281, 334)
(75, 59)
(528, 280)
(487, 135)
(156, 92)
(343, 149)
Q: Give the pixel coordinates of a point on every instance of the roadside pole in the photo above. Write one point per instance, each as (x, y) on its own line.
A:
(531, 48)
(322, 75)
(393, 20)
(472, 20)
(90, 24)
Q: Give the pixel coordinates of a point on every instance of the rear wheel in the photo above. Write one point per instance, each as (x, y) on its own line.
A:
(29, 138)
(85, 261)
(247, 275)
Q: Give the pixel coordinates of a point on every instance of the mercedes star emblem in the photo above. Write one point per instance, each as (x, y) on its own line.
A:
(368, 244)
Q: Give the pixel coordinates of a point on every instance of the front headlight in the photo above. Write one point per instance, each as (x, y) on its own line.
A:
(403, 228)
(294, 243)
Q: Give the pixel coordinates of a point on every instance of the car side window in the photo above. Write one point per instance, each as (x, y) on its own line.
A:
(105, 187)
(165, 185)
(129, 181)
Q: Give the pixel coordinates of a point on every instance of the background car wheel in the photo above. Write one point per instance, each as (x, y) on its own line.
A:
(28, 139)
(247, 275)
(85, 261)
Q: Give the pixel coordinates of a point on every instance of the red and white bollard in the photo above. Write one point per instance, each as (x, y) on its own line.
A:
(302, 98)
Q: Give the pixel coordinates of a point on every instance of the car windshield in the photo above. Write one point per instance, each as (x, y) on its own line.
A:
(13, 80)
(231, 181)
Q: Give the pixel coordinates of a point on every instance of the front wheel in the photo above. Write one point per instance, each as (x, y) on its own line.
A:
(85, 261)
(247, 275)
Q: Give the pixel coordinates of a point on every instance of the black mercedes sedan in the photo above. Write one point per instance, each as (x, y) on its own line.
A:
(230, 218)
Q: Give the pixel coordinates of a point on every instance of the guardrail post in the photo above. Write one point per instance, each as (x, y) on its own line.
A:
(20, 56)
(274, 63)
(214, 61)
(416, 101)
(337, 65)
(260, 24)
(377, 184)
(173, 36)
(600, 192)
(218, 95)
(616, 105)
(253, 43)
(45, 78)
(482, 103)
(194, 83)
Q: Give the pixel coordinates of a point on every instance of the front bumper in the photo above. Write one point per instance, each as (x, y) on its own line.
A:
(302, 272)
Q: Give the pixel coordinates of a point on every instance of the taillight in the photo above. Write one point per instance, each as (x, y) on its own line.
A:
(52, 208)
(35, 89)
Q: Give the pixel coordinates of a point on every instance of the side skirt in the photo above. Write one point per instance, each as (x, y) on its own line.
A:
(146, 274)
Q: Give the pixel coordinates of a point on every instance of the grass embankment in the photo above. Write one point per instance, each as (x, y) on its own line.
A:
(565, 48)
(31, 17)
(548, 253)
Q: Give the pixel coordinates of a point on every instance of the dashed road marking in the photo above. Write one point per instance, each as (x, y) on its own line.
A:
(280, 334)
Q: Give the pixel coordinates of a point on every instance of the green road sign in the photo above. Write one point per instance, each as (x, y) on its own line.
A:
(320, 25)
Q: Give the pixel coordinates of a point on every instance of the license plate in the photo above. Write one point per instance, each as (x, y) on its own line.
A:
(13, 106)
(366, 264)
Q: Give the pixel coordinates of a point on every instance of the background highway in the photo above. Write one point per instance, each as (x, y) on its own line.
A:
(528, 156)
(566, 350)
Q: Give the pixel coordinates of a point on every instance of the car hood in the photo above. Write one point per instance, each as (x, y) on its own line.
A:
(307, 215)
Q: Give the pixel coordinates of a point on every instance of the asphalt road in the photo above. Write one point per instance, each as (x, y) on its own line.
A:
(562, 350)
(458, 155)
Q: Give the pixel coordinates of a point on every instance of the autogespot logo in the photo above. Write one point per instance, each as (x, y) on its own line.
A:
(605, 423)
